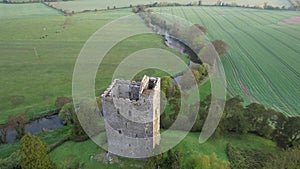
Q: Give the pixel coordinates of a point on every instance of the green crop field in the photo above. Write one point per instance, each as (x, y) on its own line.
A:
(260, 3)
(80, 5)
(262, 63)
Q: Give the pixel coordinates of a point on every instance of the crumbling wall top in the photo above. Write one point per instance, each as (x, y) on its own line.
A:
(130, 89)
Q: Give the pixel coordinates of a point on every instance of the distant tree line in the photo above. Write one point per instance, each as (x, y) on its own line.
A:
(294, 5)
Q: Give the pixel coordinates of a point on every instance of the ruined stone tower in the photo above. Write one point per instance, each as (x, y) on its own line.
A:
(132, 114)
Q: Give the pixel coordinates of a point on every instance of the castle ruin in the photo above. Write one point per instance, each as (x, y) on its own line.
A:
(131, 112)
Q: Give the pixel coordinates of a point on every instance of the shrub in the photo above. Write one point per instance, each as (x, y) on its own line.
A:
(61, 101)
(247, 158)
(220, 46)
(11, 162)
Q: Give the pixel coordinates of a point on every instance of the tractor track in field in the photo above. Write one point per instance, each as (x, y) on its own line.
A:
(235, 71)
(185, 16)
(274, 28)
(199, 17)
(241, 84)
(284, 44)
(265, 77)
(266, 48)
(284, 16)
(172, 11)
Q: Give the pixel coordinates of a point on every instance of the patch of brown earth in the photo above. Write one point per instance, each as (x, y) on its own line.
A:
(294, 19)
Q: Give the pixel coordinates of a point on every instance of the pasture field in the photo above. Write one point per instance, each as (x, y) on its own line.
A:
(262, 63)
(14, 11)
(81, 5)
(38, 52)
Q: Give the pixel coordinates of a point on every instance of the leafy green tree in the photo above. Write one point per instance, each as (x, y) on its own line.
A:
(18, 123)
(153, 162)
(166, 85)
(260, 120)
(34, 153)
(288, 159)
(234, 119)
(77, 132)
(67, 113)
(170, 159)
(287, 132)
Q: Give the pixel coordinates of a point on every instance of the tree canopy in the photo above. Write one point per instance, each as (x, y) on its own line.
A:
(34, 153)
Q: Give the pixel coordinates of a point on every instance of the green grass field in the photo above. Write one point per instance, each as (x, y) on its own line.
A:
(40, 45)
(22, 11)
(262, 63)
(80, 5)
(189, 146)
(39, 51)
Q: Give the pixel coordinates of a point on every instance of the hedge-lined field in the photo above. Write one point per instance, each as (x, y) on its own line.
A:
(81, 5)
(14, 11)
(38, 51)
(262, 63)
(38, 54)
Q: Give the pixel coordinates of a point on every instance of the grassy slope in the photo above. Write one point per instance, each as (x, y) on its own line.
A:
(262, 54)
(188, 146)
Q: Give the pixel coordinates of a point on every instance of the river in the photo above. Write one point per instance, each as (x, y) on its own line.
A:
(37, 126)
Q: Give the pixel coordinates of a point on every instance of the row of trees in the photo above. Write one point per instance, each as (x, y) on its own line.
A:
(254, 118)
(192, 38)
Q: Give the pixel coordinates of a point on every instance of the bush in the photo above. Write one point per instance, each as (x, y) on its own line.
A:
(61, 101)
(220, 46)
(206, 162)
(67, 113)
(247, 158)
(11, 162)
